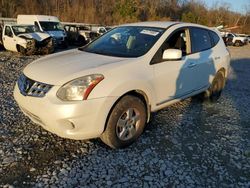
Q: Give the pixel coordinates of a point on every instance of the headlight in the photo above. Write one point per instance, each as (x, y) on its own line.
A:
(80, 88)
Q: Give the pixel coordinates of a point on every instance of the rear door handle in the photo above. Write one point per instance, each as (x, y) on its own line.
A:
(216, 58)
(191, 65)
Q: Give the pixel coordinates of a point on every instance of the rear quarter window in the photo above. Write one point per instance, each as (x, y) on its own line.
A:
(215, 38)
(200, 39)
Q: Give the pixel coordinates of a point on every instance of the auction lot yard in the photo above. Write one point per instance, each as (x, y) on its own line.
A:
(189, 144)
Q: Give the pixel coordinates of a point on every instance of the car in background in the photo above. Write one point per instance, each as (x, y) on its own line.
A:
(232, 39)
(110, 87)
(47, 24)
(81, 34)
(78, 34)
(245, 36)
(26, 40)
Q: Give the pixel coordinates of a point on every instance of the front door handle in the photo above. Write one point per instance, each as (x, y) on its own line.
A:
(191, 65)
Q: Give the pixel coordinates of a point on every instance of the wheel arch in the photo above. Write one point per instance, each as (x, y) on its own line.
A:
(137, 93)
(18, 47)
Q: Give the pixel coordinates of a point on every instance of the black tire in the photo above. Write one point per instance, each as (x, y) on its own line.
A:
(119, 135)
(81, 41)
(22, 50)
(237, 43)
(213, 93)
(65, 44)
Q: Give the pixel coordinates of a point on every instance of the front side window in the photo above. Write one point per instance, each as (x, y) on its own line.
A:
(177, 40)
(37, 28)
(200, 40)
(8, 32)
(72, 29)
(127, 41)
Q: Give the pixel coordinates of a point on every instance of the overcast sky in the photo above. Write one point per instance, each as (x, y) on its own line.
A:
(236, 5)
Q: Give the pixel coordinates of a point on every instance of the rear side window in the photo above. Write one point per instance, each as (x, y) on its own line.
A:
(200, 40)
(215, 38)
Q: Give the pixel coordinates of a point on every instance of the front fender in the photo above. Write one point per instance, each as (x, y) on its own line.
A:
(137, 85)
(118, 89)
(21, 42)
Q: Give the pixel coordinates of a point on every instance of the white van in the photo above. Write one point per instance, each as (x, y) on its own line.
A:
(48, 24)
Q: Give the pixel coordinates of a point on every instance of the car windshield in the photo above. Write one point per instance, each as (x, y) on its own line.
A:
(23, 29)
(127, 41)
(51, 26)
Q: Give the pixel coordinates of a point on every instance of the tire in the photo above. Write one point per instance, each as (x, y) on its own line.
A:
(22, 50)
(65, 44)
(213, 93)
(237, 43)
(81, 41)
(126, 122)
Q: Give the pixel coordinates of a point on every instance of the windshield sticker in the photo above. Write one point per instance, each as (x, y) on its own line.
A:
(149, 32)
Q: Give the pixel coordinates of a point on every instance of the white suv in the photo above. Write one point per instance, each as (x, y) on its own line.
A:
(108, 88)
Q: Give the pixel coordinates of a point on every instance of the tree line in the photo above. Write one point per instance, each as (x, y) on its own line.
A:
(114, 12)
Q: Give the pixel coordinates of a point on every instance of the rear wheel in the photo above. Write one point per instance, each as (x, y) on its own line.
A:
(125, 123)
(213, 93)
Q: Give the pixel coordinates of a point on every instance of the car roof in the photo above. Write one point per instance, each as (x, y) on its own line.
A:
(14, 24)
(164, 24)
(159, 24)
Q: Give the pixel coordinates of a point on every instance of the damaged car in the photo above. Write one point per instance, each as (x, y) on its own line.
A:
(26, 40)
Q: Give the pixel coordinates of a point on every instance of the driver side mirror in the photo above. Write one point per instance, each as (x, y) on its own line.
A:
(172, 54)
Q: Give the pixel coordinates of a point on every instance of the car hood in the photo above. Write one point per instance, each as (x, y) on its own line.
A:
(56, 34)
(36, 35)
(59, 68)
(240, 38)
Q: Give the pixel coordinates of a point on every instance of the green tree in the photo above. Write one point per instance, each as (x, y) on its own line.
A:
(188, 17)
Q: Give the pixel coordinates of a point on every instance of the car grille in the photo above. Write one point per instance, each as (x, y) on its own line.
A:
(32, 88)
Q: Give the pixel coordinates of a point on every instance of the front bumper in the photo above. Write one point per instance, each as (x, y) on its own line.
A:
(75, 120)
(59, 41)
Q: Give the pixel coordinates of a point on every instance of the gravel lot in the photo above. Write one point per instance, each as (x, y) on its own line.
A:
(189, 144)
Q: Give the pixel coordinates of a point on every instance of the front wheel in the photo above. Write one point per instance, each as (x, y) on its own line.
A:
(125, 123)
(237, 43)
(22, 50)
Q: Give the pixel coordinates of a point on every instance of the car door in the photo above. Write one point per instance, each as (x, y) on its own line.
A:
(9, 40)
(174, 79)
(203, 53)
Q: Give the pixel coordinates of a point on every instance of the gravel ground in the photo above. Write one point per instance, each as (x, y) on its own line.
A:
(188, 144)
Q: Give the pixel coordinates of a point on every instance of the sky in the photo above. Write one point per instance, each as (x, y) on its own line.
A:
(236, 5)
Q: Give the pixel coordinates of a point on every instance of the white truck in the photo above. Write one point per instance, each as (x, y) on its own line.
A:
(48, 24)
(25, 39)
(232, 39)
